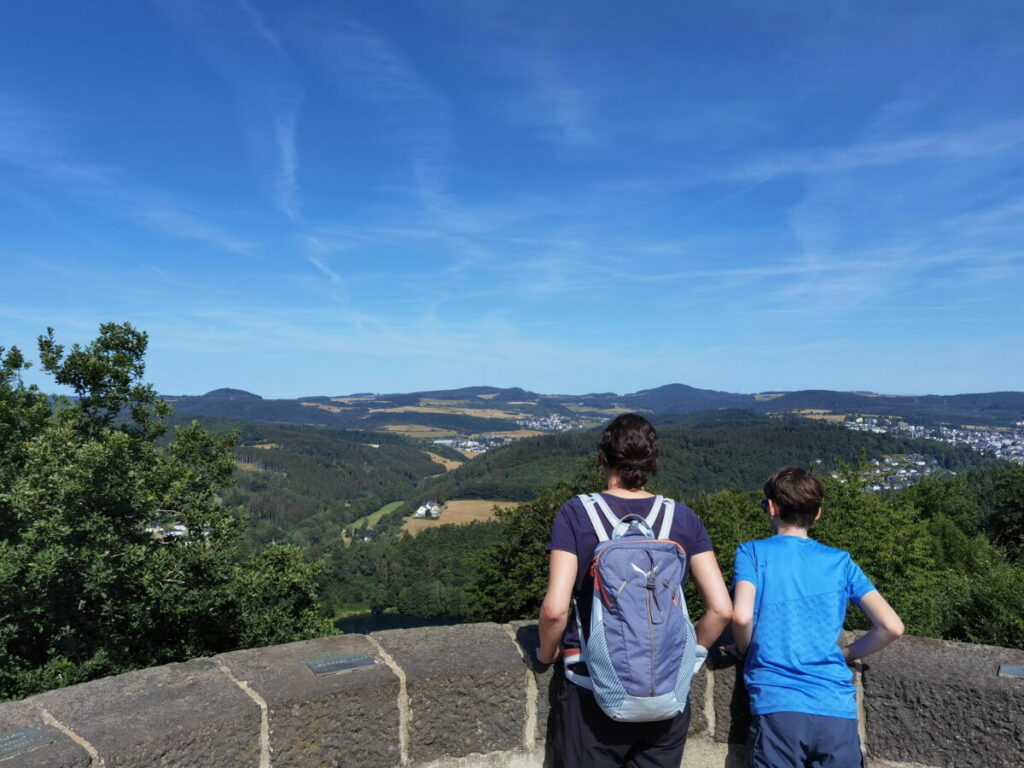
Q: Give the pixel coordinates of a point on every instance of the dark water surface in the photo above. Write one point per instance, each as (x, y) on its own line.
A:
(364, 623)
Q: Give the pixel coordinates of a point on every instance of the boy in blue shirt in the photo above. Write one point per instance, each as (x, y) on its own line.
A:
(788, 609)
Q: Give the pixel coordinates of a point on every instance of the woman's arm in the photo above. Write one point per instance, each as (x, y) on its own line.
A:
(554, 611)
(886, 627)
(711, 587)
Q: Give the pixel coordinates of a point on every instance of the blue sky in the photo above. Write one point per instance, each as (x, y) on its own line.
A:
(302, 198)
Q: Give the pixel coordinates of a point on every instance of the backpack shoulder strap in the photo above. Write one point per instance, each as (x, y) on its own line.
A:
(591, 503)
(666, 522)
(655, 509)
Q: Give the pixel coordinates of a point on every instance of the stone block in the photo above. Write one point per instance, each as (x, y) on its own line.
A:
(547, 676)
(27, 741)
(164, 716)
(941, 703)
(731, 703)
(344, 718)
(698, 700)
(466, 685)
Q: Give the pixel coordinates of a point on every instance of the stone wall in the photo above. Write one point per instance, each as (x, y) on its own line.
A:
(468, 696)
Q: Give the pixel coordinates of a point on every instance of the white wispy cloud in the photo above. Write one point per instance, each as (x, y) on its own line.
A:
(32, 142)
(238, 43)
(952, 145)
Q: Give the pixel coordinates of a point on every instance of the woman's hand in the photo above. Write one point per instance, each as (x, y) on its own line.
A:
(548, 658)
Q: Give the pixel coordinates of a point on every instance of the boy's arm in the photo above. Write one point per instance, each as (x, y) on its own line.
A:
(554, 611)
(743, 615)
(711, 586)
(886, 626)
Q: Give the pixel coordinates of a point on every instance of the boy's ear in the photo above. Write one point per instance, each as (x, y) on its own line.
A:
(817, 516)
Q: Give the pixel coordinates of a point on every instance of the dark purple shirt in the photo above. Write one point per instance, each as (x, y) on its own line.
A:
(573, 532)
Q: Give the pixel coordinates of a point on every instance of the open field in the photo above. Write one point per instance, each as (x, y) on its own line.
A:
(481, 413)
(250, 467)
(820, 415)
(458, 512)
(373, 518)
(448, 464)
(515, 434)
(326, 407)
(590, 409)
(262, 446)
(419, 430)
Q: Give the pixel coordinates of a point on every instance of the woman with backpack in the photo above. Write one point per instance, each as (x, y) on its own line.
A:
(624, 700)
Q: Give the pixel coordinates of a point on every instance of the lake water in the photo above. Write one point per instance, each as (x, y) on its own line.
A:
(364, 623)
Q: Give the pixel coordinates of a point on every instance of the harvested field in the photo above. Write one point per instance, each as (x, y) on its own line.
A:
(419, 430)
(482, 413)
(458, 512)
(489, 396)
(589, 409)
(250, 467)
(262, 446)
(326, 407)
(448, 464)
(515, 434)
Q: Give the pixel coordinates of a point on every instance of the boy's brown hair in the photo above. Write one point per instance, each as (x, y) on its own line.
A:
(797, 493)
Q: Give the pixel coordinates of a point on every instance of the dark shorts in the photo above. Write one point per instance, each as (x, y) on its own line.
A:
(796, 740)
(586, 737)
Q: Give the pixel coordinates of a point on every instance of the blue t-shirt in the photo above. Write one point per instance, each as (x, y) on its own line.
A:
(573, 532)
(794, 663)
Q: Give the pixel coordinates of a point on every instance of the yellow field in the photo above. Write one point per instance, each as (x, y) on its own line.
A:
(448, 464)
(516, 433)
(325, 407)
(820, 414)
(458, 512)
(248, 467)
(419, 430)
(588, 409)
(483, 413)
(262, 446)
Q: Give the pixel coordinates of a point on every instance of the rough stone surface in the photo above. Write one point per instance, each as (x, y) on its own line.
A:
(164, 716)
(943, 704)
(466, 688)
(698, 700)
(57, 751)
(732, 706)
(547, 676)
(341, 719)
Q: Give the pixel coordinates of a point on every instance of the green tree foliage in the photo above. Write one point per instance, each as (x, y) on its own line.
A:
(511, 576)
(85, 590)
(423, 575)
(943, 577)
(700, 454)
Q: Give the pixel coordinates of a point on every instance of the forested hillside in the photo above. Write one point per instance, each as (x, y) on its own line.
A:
(702, 452)
(307, 484)
(723, 451)
(946, 552)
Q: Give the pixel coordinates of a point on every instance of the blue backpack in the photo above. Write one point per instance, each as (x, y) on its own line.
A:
(641, 648)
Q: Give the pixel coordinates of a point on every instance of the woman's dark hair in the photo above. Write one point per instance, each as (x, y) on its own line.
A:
(798, 494)
(629, 445)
